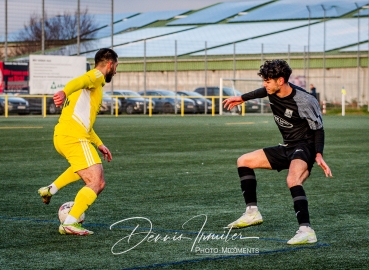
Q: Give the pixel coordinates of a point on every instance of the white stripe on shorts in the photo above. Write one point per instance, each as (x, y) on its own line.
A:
(87, 152)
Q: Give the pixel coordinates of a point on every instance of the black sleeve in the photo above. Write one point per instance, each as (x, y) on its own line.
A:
(319, 140)
(258, 93)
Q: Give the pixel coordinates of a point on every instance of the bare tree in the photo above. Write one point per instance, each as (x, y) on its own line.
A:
(59, 30)
(64, 27)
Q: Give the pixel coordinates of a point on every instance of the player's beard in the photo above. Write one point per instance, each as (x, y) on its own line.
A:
(109, 76)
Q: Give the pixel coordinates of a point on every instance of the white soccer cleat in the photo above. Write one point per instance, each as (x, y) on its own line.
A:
(305, 235)
(251, 217)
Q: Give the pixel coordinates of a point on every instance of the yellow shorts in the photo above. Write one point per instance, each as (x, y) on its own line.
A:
(80, 153)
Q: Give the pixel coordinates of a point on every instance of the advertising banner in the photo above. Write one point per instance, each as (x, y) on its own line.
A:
(1, 78)
(14, 77)
(50, 73)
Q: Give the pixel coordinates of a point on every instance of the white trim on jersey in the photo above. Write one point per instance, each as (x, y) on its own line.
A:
(82, 110)
(98, 73)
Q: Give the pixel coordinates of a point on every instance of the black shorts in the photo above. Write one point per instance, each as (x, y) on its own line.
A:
(280, 156)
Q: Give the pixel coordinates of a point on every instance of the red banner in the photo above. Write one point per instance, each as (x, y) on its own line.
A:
(1, 78)
(14, 77)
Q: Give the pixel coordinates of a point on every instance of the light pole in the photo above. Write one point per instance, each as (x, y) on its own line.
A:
(206, 76)
(43, 28)
(358, 55)
(6, 32)
(78, 26)
(308, 50)
(324, 63)
(112, 47)
(367, 97)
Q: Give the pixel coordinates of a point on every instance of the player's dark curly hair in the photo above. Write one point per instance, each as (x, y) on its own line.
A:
(274, 69)
(105, 54)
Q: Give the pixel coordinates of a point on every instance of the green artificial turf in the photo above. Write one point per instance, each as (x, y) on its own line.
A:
(176, 179)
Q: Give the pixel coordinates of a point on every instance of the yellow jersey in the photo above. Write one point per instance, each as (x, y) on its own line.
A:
(81, 106)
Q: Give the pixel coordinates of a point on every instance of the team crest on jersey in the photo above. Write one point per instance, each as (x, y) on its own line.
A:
(288, 113)
(282, 122)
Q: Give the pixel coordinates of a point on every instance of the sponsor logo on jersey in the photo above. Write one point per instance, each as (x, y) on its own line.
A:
(288, 113)
(282, 122)
(66, 103)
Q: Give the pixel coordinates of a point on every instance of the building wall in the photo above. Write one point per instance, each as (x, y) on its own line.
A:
(335, 80)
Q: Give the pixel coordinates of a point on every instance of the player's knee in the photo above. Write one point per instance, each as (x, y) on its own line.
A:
(242, 161)
(101, 185)
(299, 174)
(294, 181)
(239, 162)
(291, 182)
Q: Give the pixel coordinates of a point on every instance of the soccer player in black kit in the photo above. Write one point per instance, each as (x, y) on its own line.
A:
(298, 117)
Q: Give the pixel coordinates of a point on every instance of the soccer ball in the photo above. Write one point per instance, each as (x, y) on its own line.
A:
(64, 211)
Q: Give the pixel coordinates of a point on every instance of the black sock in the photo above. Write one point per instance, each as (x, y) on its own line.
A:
(300, 204)
(248, 185)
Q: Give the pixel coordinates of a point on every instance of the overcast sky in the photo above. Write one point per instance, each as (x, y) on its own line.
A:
(152, 5)
(19, 11)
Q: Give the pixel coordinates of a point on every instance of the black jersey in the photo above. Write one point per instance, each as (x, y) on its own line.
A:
(297, 116)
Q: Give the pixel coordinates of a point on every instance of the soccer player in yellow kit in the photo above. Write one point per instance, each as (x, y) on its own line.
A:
(74, 135)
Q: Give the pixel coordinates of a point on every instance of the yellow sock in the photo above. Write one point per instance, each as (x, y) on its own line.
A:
(85, 197)
(66, 178)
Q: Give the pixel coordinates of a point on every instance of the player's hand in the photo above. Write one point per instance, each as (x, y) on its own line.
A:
(59, 98)
(231, 102)
(106, 153)
(320, 161)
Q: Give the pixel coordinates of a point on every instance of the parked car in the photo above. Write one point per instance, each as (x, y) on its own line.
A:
(251, 105)
(107, 104)
(35, 105)
(15, 105)
(132, 102)
(266, 105)
(166, 100)
(200, 101)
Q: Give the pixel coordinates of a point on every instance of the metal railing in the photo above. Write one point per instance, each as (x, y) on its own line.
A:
(180, 100)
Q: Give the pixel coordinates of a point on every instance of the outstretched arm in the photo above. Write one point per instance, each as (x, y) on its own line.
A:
(59, 98)
(231, 102)
(82, 82)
